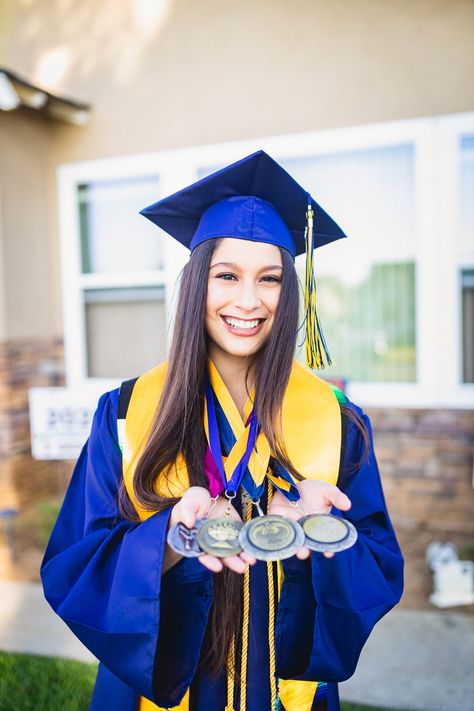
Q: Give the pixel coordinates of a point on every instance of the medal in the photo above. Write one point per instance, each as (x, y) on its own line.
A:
(183, 540)
(326, 533)
(271, 537)
(220, 536)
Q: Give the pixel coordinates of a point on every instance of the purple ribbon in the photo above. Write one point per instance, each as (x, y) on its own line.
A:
(233, 484)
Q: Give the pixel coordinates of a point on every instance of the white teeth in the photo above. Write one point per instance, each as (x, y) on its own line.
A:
(237, 323)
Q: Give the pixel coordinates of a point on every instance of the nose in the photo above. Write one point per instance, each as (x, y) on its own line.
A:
(247, 298)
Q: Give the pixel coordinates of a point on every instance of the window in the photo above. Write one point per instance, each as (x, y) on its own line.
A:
(467, 290)
(122, 281)
(114, 238)
(366, 284)
(132, 316)
(466, 210)
(396, 299)
(118, 275)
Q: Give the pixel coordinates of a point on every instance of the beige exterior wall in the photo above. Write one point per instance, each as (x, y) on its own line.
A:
(27, 213)
(169, 73)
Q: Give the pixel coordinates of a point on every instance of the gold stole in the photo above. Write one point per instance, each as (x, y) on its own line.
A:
(311, 429)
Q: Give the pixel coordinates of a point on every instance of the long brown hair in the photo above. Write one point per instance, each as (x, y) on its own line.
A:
(178, 422)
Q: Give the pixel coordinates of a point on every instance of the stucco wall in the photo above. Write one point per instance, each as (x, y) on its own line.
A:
(168, 73)
(180, 72)
(27, 215)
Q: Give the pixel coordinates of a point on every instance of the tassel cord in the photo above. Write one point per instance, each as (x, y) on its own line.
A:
(317, 353)
(271, 618)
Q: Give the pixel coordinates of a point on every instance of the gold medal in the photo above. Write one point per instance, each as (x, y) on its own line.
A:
(220, 536)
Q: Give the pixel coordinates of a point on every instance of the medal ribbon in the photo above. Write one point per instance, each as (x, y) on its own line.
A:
(231, 472)
(249, 453)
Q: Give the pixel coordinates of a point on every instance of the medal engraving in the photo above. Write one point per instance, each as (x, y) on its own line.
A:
(184, 541)
(327, 533)
(271, 537)
(220, 536)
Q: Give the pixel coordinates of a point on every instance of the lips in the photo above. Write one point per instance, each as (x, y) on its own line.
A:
(242, 327)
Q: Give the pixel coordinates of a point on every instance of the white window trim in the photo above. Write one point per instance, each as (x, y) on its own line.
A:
(436, 198)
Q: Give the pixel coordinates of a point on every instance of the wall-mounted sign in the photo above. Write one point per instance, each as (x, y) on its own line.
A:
(60, 421)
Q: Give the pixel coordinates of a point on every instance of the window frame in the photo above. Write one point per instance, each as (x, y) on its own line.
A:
(436, 143)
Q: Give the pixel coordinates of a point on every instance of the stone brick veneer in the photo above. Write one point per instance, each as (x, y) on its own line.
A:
(425, 456)
(25, 364)
(426, 461)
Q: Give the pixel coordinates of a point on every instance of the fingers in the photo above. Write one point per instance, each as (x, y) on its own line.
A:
(193, 505)
(319, 496)
(303, 553)
(248, 558)
(277, 501)
(237, 563)
(211, 563)
(279, 506)
(287, 511)
(337, 498)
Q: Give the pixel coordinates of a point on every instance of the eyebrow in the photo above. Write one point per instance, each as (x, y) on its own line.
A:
(232, 265)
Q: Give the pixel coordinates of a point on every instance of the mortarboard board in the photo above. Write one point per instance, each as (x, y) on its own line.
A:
(254, 199)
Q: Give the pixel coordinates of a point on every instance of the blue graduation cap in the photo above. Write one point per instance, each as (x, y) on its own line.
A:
(254, 199)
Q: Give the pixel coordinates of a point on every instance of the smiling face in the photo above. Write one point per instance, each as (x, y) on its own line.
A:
(243, 290)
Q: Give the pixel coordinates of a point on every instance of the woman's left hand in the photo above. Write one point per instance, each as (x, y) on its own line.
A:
(316, 497)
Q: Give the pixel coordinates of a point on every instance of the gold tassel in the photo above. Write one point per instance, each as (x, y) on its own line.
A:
(230, 678)
(317, 354)
(245, 627)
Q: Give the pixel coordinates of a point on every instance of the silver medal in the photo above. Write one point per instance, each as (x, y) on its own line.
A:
(271, 537)
(183, 540)
(326, 533)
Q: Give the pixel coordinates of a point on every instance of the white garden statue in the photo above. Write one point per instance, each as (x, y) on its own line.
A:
(453, 578)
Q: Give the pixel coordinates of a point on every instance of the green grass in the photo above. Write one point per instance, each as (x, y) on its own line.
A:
(45, 514)
(33, 683)
(30, 683)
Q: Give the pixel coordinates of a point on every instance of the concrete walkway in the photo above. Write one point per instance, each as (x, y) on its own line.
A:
(422, 661)
(28, 624)
(419, 661)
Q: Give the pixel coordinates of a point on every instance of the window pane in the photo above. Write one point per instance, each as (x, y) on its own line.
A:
(467, 286)
(366, 284)
(466, 210)
(467, 193)
(114, 237)
(125, 331)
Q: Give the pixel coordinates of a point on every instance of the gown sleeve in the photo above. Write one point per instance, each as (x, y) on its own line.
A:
(328, 606)
(102, 574)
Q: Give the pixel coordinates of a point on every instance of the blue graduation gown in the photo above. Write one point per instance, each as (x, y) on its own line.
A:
(102, 575)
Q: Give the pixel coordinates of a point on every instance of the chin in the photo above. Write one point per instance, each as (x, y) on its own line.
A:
(243, 350)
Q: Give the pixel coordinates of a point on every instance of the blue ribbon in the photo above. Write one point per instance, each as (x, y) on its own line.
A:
(219, 428)
(241, 469)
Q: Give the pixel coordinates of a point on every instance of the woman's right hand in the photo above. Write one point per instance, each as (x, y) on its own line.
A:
(195, 504)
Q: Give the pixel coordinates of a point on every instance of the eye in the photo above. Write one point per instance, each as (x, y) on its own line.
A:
(227, 276)
(271, 278)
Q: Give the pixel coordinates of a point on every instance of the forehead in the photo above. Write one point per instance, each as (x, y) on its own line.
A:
(246, 253)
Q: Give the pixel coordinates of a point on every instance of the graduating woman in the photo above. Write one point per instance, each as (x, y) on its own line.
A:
(194, 554)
